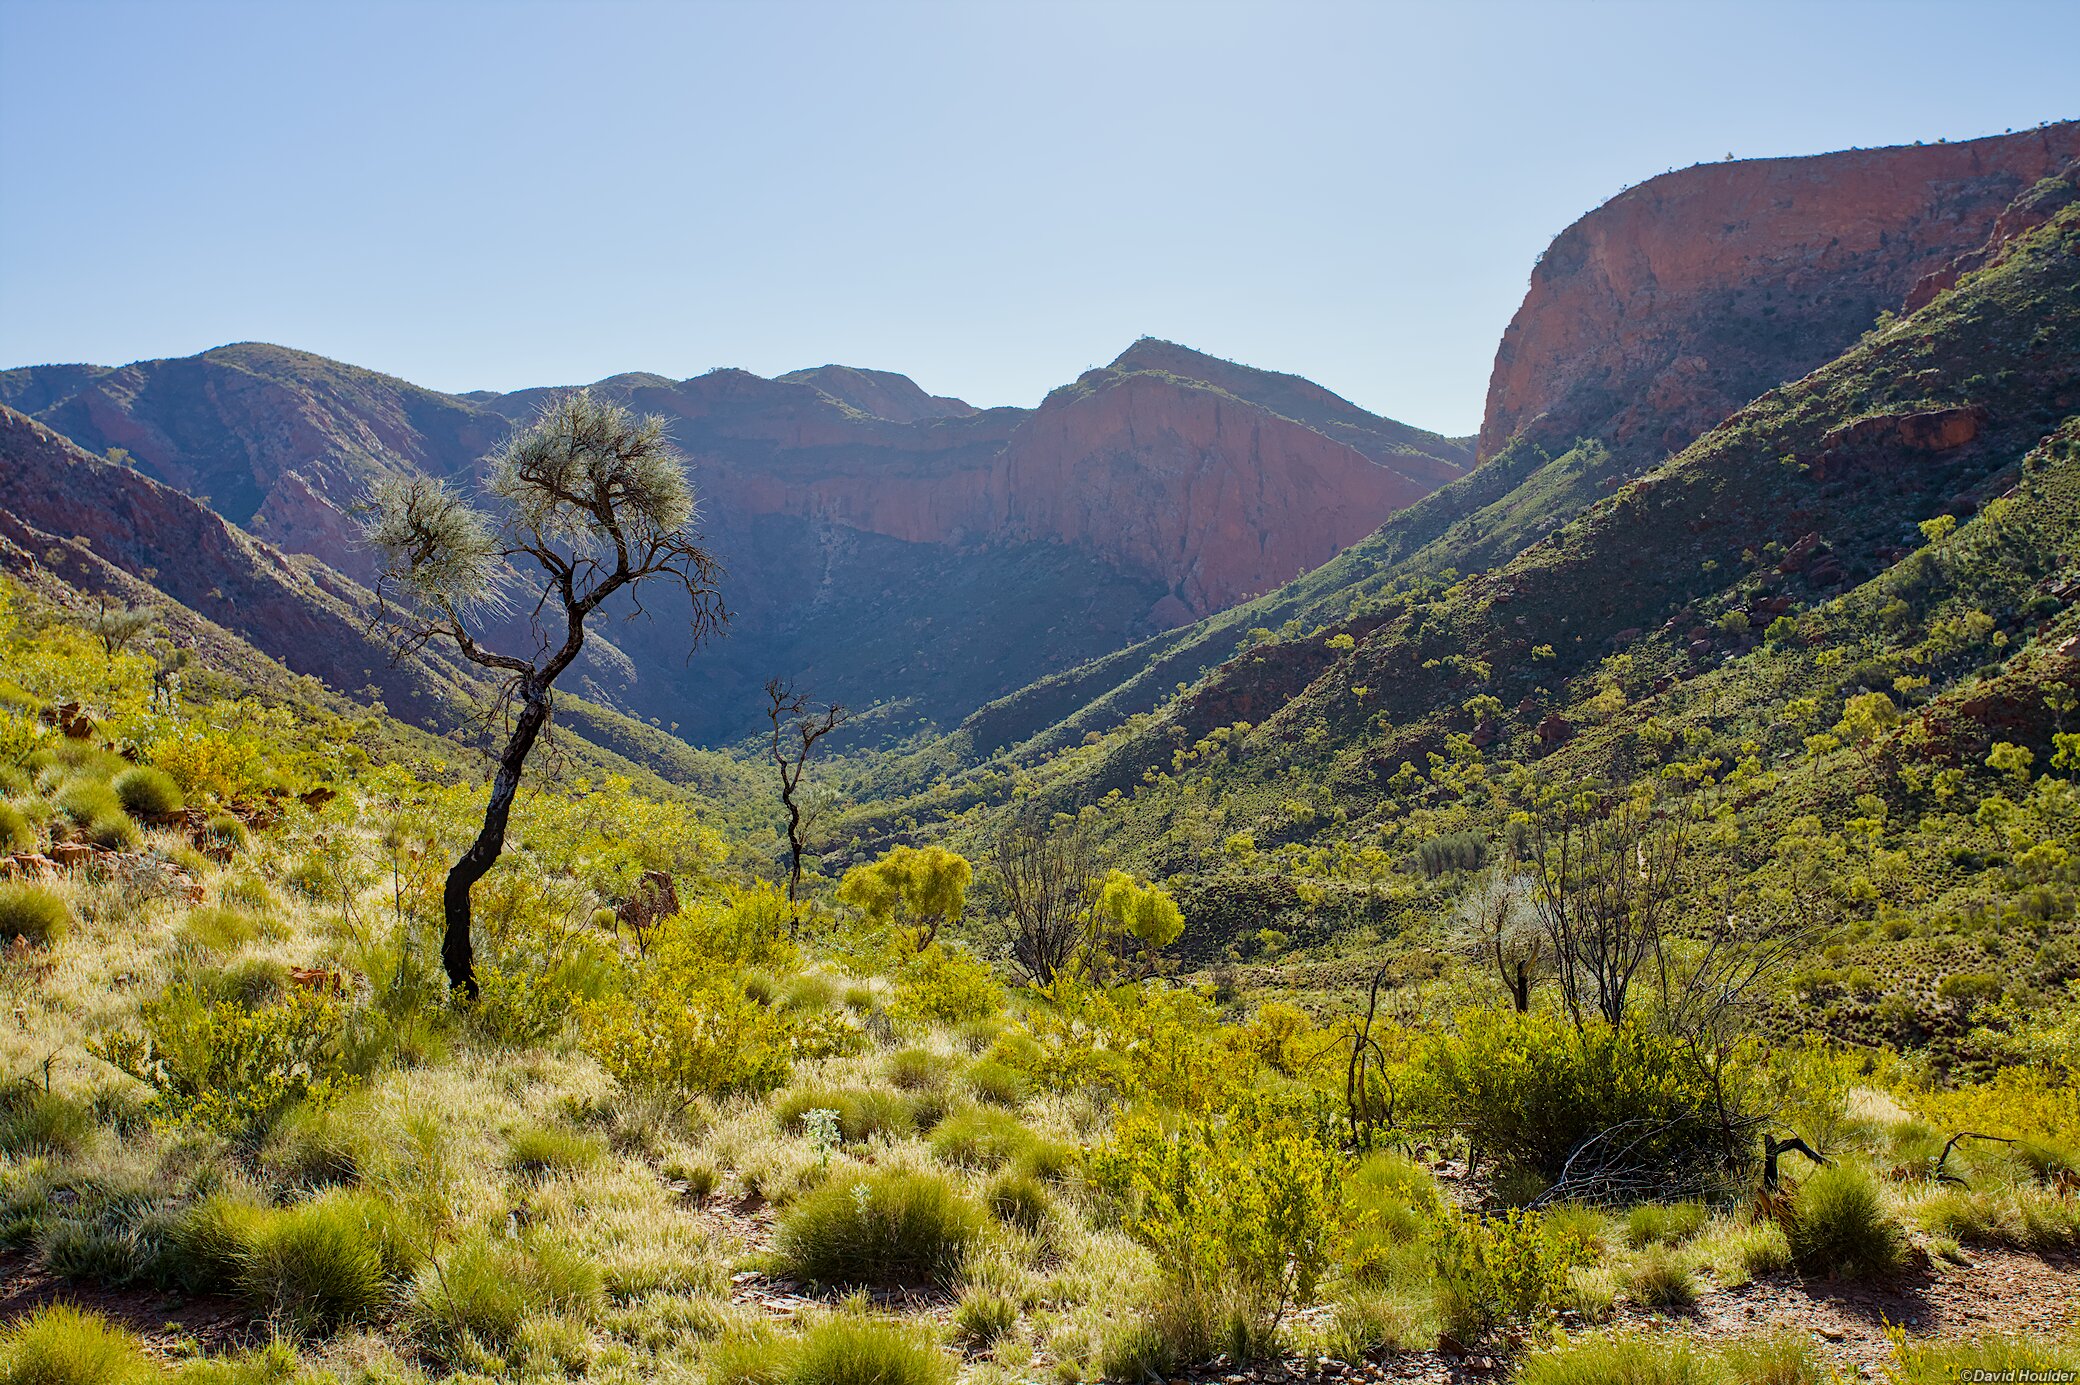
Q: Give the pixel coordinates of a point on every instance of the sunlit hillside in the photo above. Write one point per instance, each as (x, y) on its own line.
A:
(1616, 920)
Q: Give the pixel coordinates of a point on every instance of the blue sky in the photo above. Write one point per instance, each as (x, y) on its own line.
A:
(988, 197)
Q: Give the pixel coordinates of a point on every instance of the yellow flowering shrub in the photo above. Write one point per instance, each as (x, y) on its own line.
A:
(232, 1066)
(1240, 1210)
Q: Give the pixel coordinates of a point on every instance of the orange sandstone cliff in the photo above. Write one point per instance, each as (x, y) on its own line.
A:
(1678, 301)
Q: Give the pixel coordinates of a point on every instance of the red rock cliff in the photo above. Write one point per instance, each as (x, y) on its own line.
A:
(1676, 302)
(1218, 498)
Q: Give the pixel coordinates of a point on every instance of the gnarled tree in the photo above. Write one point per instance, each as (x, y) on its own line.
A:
(797, 727)
(587, 502)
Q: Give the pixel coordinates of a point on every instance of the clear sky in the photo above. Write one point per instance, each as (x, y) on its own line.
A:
(990, 197)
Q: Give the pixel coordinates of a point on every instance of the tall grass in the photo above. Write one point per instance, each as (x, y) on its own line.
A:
(1839, 1225)
(890, 1227)
(61, 1345)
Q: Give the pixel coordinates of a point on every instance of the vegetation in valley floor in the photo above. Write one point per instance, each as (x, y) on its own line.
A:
(1565, 948)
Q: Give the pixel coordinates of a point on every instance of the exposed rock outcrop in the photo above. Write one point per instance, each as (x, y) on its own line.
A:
(1678, 301)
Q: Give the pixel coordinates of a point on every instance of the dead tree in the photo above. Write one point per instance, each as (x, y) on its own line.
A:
(1605, 887)
(797, 727)
(1047, 874)
(587, 502)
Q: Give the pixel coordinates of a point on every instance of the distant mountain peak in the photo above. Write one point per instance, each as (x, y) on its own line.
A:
(879, 393)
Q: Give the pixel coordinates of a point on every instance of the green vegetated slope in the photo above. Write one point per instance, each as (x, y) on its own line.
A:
(252, 1133)
(1263, 1103)
(1733, 598)
(1488, 514)
(288, 631)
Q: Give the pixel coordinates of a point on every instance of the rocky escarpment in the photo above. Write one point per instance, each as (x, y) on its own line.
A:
(1678, 301)
(1211, 479)
(1219, 498)
(846, 505)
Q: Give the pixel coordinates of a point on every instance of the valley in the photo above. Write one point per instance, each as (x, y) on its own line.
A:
(1190, 880)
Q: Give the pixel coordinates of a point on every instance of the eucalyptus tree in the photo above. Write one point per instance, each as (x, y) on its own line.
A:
(588, 501)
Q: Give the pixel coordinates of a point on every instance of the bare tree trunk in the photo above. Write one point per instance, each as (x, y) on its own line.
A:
(458, 954)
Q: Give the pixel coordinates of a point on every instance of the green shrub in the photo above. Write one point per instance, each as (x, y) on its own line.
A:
(483, 1291)
(1619, 1361)
(229, 1064)
(685, 1028)
(335, 1259)
(1453, 851)
(1020, 1200)
(1664, 1223)
(33, 913)
(998, 1083)
(1531, 1093)
(220, 929)
(35, 1121)
(863, 1112)
(17, 833)
(60, 1345)
(980, 1138)
(148, 793)
(1239, 1212)
(890, 1227)
(1838, 1225)
(1507, 1273)
(845, 1350)
(538, 1151)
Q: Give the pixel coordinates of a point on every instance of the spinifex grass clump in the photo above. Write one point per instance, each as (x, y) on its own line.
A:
(16, 831)
(479, 1295)
(1622, 1361)
(1838, 1224)
(862, 1112)
(33, 913)
(541, 1151)
(147, 793)
(61, 1345)
(839, 1351)
(982, 1138)
(338, 1258)
(890, 1227)
(35, 1121)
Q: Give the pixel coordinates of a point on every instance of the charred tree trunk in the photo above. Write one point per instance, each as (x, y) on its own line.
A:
(458, 953)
